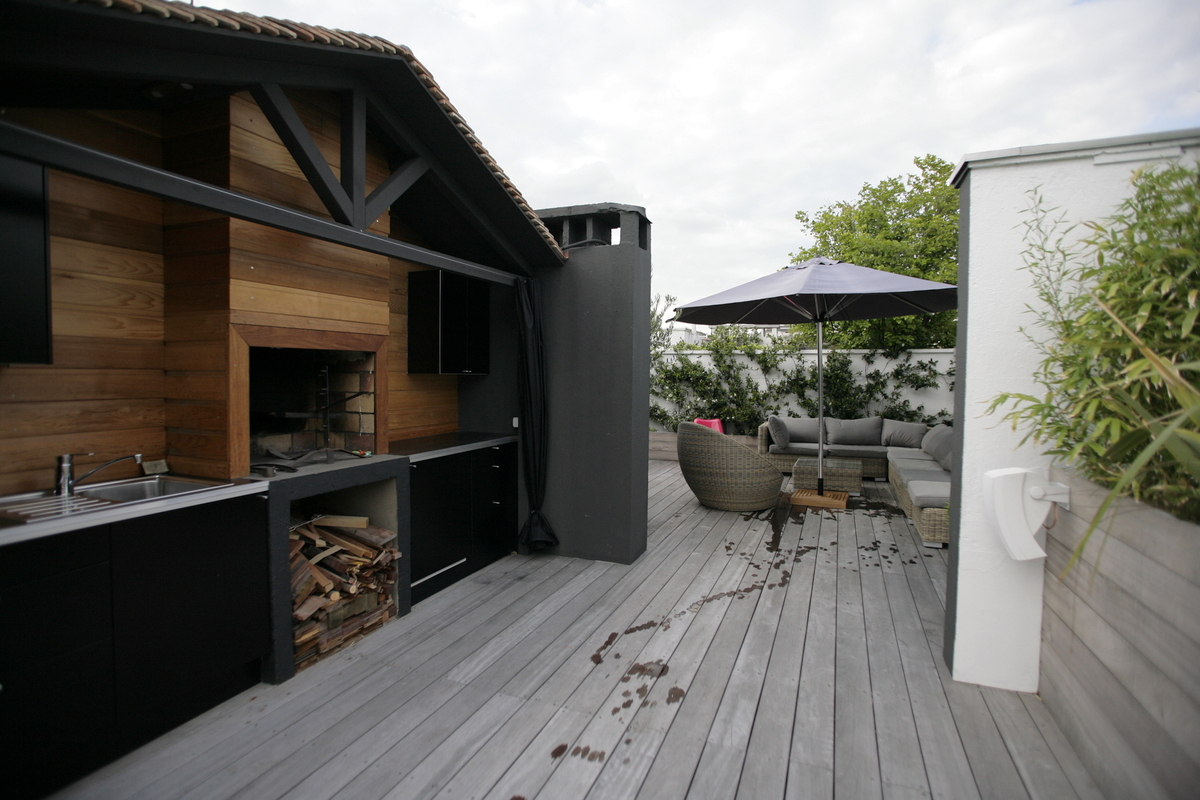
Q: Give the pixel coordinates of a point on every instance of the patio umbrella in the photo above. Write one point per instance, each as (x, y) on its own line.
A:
(820, 290)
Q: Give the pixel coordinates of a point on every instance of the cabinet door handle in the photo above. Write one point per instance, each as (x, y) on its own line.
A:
(495, 466)
(495, 502)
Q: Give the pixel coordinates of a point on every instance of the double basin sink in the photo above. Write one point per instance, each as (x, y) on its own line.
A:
(39, 506)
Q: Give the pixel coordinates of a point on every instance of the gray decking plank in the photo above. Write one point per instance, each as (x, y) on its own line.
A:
(552, 682)
(811, 760)
(1043, 777)
(764, 773)
(275, 765)
(635, 754)
(995, 774)
(436, 769)
(372, 765)
(529, 773)
(1085, 788)
(901, 768)
(570, 600)
(946, 764)
(855, 754)
(615, 711)
(671, 773)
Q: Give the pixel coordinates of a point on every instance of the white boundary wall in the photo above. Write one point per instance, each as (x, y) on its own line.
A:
(998, 604)
(934, 400)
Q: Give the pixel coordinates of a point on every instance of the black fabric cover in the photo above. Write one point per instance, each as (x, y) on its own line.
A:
(536, 533)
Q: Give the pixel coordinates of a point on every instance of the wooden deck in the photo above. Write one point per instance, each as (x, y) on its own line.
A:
(791, 655)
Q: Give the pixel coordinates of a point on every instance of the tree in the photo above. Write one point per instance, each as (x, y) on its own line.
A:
(905, 225)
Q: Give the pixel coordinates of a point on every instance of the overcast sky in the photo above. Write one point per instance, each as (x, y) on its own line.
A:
(723, 118)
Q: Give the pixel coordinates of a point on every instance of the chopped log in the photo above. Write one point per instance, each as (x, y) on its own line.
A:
(338, 580)
(372, 535)
(303, 580)
(350, 546)
(324, 554)
(343, 521)
(324, 581)
(294, 546)
(309, 607)
(306, 632)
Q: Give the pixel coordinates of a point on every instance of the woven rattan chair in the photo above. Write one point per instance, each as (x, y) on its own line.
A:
(724, 474)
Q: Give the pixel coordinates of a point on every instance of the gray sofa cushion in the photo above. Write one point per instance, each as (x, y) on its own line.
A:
(856, 451)
(908, 454)
(939, 443)
(903, 434)
(917, 471)
(854, 431)
(831, 450)
(929, 494)
(790, 430)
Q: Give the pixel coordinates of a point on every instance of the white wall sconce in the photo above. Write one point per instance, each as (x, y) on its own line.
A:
(1017, 501)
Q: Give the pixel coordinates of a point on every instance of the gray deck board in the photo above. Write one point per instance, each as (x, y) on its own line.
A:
(802, 655)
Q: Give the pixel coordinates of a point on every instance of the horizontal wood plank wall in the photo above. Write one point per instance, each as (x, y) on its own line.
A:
(312, 292)
(198, 430)
(104, 391)
(1121, 644)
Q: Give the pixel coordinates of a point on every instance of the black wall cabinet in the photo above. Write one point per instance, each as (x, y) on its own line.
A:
(25, 301)
(448, 324)
(464, 515)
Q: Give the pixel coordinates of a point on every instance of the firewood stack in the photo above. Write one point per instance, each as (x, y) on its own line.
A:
(343, 582)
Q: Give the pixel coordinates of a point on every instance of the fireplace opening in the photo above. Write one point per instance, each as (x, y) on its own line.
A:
(311, 401)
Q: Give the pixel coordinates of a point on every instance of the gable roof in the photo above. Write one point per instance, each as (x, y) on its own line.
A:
(288, 30)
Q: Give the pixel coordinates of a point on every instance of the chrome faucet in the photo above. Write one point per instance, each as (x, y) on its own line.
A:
(66, 469)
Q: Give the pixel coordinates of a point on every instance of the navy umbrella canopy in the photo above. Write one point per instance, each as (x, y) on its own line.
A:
(821, 290)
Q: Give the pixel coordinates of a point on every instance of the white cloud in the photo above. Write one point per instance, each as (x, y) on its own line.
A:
(724, 119)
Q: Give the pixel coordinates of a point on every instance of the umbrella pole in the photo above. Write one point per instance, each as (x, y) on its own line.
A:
(820, 412)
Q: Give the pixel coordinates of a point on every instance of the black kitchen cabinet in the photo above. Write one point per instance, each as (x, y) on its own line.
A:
(57, 699)
(463, 513)
(190, 610)
(113, 635)
(448, 324)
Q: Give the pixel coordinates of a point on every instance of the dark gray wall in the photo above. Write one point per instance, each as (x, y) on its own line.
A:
(597, 329)
(960, 392)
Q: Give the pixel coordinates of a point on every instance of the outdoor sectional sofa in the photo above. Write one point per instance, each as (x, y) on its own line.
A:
(914, 458)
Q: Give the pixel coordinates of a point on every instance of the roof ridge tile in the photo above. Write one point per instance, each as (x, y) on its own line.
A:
(321, 36)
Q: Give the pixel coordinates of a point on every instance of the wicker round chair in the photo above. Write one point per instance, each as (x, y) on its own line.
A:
(724, 474)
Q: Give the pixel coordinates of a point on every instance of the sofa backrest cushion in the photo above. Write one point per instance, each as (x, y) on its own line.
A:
(903, 434)
(854, 431)
(788, 430)
(939, 443)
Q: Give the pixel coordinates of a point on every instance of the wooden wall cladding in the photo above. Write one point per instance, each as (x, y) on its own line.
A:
(104, 391)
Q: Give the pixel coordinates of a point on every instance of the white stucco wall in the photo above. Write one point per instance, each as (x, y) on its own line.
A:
(999, 600)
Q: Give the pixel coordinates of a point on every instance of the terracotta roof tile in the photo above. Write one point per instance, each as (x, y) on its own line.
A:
(288, 29)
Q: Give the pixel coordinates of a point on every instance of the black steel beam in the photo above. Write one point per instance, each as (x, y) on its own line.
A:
(50, 151)
(393, 186)
(354, 156)
(399, 132)
(287, 123)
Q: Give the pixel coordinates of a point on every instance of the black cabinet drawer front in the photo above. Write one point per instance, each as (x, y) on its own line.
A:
(25, 562)
(54, 616)
(71, 696)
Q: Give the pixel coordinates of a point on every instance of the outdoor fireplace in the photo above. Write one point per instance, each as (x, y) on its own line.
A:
(304, 401)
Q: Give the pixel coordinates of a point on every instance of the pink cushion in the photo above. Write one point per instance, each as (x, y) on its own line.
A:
(715, 424)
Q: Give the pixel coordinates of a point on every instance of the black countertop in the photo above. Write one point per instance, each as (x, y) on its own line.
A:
(446, 444)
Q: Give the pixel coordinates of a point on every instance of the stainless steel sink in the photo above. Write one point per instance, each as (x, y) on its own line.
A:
(149, 488)
(39, 506)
